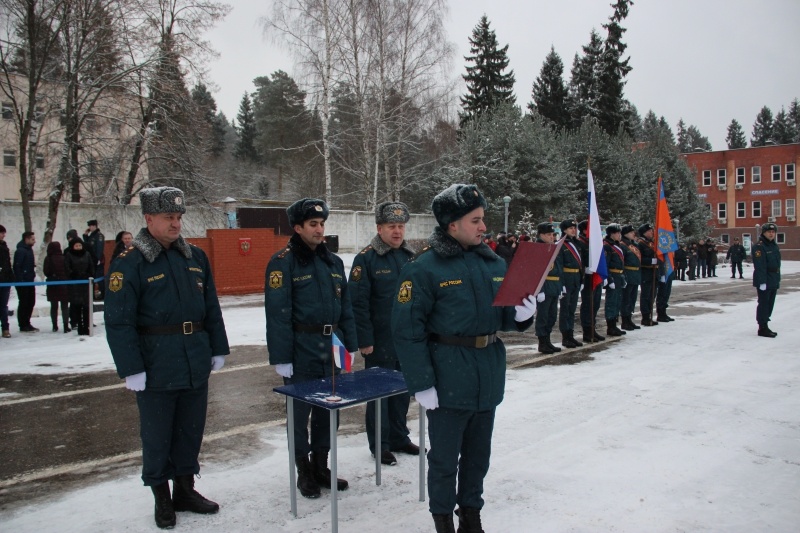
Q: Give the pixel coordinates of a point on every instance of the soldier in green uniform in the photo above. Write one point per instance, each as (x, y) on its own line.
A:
(551, 291)
(306, 300)
(590, 296)
(650, 271)
(615, 263)
(373, 284)
(445, 332)
(766, 276)
(572, 278)
(633, 277)
(165, 330)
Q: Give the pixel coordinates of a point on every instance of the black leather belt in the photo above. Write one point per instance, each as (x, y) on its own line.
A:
(187, 328)
(773, 271)
(481, 341)
(322, 329)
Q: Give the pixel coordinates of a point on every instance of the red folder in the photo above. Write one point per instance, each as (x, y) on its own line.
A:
(527, 272)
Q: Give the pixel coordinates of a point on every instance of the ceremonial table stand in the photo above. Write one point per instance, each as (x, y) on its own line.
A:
(354, 388)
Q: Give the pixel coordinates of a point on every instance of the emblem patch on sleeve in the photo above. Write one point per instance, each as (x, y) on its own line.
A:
(758, 253)
(115, 281)
(404, 295)
(275, 279)
(357, 273)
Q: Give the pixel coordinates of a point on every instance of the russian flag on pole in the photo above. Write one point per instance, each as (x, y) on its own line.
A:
(597, 263)
(341, 356)
(665, 233)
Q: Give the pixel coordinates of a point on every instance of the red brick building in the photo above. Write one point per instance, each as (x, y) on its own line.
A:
(748, 187)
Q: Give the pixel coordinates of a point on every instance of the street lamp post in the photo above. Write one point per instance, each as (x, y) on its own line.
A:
(677, 229)
(506, 201)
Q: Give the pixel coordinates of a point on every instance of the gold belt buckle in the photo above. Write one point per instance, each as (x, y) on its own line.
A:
(482, 341)
(187, 328)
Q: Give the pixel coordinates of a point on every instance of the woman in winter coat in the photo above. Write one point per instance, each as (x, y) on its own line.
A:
(79, 265)
(54, 270)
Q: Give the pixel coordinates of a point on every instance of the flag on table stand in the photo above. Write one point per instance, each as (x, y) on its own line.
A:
(665, 233)
(597, 263)
(341, 357)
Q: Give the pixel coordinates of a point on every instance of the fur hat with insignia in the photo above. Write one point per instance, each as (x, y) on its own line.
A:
(582, 225)
(644, 228)
(565, 225)
(627, 228)
(307, 208)
(456, 201)
(545, 227)
(157, 200)
(613, 228)
(769, 226)
(392, 213)
(92, 222)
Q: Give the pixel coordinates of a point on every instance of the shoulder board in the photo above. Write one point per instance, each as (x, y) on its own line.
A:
(284, 253)
(366, 249)
(424, 250)
(126, 251)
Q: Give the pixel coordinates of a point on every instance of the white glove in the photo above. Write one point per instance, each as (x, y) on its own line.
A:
(285, 370)
(136, 382)
(612, 286)
(655, 261)
(563, 292)
(662, 279)
(588, 271)
(605, 282)
(762, 287)
(540, 297)
(526, 309)
(217, 362)
(624, 283)
(428, 398)
(581, 289)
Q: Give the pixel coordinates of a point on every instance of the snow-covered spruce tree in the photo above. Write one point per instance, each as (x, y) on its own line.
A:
(762, 128)
(735, 138)
(549, 95)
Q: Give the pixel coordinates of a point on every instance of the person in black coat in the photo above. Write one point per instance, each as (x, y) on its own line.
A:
(766, 277)
(25, 270)
(680, 263)
(54, 270)
(95, 241)
(736, 254)
(6, 276)
(702, 259)
(123, 240)
(79, 265)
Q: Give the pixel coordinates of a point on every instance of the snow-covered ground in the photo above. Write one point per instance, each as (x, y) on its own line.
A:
(689, 426)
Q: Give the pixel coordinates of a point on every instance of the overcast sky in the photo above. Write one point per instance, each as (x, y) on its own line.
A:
(707, 61)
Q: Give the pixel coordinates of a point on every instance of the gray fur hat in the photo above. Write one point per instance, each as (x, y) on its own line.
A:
(456, 201)
(157, 200)
(392, 213)
(307, 208)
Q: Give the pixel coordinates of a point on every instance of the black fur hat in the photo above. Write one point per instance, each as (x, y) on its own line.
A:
(92, 222)
(644, 228)
(392, 213)
(157, 200)
(307, 208)
(545, 227)
(769, 226)
(582, 225)
(613, 228)
(456, 201)
(627, 228)
(565, 225)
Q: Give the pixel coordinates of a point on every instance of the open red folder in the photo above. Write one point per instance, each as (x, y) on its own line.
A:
(527, 272)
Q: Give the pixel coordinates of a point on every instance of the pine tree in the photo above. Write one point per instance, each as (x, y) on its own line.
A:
(208, 108)
(612, 71)
(245, 148)
(654, 128)
(782, 131)
(794, 119)
(487, 83)
(583, 81)
(549, 92)
(736, 137)
(697, 139)
(682, 138)
(762, 129)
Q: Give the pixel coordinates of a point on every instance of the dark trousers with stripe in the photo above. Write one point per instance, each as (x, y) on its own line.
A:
(319, 438)
(629, 296)
(590, 303)
(569, 303)
(766, 302)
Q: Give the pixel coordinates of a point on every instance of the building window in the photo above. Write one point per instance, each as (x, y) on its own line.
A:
(757, 209)
(755, 174)
(706, 178)
(740, 176)
(8, 111)
(116, 127)
(776, 208)
(790, 172)
(39, 161)
(780, 238)
(9, 158)
(725, 238)
(776, 173)
(790, 209)
(741, 209)
(722, 210)
(721, 176)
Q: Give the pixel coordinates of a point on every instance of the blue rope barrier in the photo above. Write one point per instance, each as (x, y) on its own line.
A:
(35, 283)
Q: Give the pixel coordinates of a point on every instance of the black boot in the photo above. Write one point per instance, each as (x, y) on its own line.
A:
(322, 474)
(544, 346)
(647, 320)
(575, 341)
(661, 316)
(597, 336)
(185, 498)
(306, 480)
(165, 512)
(444, 523)
(628, 325)
(469, 520)
(764, 331)
(552, 347)
(611, 328)
(587, 335)
(567, 341)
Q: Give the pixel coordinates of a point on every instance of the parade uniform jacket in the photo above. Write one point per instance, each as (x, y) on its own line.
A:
(306, 287)
(447, 290)
(152, 286)
(571, 264)
(736, 253)
(373, 287)
(553, 284)
(96, 243)
(615, 261)
(648, 253)
(633, 262)
(766, 264)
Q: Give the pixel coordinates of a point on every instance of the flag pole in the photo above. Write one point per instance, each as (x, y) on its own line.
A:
(655, 246)
(333, 397)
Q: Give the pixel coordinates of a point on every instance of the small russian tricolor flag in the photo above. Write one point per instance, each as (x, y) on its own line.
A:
(341, 356)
